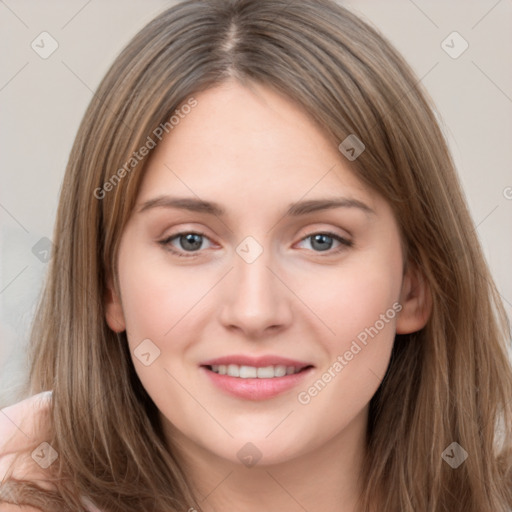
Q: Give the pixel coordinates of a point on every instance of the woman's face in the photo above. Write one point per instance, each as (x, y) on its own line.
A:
(254, 250)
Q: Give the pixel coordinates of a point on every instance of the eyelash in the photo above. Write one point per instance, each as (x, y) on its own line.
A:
(166, 243)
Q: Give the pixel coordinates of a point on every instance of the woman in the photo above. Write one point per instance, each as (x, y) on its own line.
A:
(264, 264)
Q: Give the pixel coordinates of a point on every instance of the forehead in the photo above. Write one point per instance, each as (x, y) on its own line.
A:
(242, 143)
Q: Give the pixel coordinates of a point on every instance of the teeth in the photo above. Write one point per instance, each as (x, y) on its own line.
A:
(279, 371)
(267, 372)
(251, 372)
(233, 370)
(247, 372)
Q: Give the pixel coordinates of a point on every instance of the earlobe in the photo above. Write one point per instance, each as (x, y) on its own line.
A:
(416, 301)
(113, 309)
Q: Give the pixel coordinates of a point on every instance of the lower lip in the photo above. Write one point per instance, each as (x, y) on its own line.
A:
(256, 389)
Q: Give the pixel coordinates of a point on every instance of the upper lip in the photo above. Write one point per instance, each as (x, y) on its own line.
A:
(258, 362)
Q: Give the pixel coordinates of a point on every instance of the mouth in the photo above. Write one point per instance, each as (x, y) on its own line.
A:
(254, 372)
(252, 378)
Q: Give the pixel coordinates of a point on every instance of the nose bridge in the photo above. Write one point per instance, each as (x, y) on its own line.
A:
(252, 278)
(255, 299)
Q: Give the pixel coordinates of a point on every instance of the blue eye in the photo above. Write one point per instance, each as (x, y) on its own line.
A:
(190, 243)
(323, 241)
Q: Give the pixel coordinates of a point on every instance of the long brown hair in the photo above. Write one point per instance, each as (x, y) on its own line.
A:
(450, 382)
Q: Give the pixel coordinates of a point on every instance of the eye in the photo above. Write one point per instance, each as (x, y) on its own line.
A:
(187, 241)
(191, 242)
(322, 242)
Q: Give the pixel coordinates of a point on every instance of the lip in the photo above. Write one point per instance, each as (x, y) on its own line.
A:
(258, 362)
(256, 389)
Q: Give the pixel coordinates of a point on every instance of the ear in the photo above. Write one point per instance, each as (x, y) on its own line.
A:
(416, 302)
(113, 309)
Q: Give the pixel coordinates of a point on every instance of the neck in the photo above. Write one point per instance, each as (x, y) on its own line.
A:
(324, 478)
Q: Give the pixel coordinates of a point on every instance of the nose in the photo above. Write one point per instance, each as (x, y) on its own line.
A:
(255, 302)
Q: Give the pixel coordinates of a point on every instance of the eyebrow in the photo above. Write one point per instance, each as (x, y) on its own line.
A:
(294, 210)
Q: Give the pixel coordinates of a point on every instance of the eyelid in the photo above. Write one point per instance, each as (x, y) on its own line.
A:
(343, 241)
(166, 242)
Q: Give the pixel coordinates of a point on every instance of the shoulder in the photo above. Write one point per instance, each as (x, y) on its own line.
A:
(23, 427)
(22, 430)
(23, 423)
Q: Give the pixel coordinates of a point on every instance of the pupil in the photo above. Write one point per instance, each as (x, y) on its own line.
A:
(323, 240)
(191, 241)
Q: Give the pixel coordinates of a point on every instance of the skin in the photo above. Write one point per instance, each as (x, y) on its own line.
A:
(255, 152)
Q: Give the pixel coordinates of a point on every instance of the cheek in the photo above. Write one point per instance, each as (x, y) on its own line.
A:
(156, 296)
(352, 297)
(359, 305)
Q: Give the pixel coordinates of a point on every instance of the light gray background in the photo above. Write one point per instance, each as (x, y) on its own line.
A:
(42, 102)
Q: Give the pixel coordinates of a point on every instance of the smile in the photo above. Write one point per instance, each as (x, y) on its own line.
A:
(252, 372)
(255, 378)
